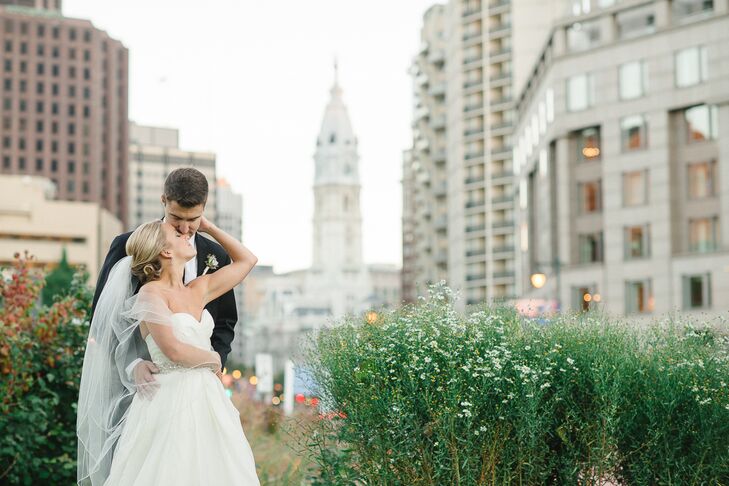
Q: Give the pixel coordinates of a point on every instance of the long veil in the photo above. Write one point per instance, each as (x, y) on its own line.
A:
(106, 391)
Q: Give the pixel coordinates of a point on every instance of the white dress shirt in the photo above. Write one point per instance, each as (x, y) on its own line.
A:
(190, 275)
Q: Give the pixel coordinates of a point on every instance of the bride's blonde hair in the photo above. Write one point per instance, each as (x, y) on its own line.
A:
(144, 246)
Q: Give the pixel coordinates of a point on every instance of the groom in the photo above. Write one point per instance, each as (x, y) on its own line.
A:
(184, 198)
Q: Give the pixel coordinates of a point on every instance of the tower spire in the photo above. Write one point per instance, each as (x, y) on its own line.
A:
(336, 70)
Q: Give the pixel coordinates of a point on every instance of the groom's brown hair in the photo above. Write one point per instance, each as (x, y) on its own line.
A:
(187, 186)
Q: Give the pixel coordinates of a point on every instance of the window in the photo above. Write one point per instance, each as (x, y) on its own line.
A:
(636, 22)
(637, 242)
(580, 92)
(39, 165)
(590, 197)
(588, 144)
(583, 35)
(692, 66)
(702, 123)
(590, 247)
(635, 188)
(696, 291)
(633, 133)
(549, 102)
(638, 296)
(703, 234)
(686, 8)
(701, 177)
(633, 77)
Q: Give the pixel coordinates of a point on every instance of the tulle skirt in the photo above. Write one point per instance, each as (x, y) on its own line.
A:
(188, 434)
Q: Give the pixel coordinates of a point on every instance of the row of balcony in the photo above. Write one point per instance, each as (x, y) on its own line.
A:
(495, 6)
(496, 275)
(508, 249)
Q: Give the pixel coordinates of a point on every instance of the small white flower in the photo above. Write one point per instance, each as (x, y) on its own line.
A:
(571, 361)
(428, 359)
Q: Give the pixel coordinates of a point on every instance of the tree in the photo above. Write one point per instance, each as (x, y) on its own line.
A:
(58, 282)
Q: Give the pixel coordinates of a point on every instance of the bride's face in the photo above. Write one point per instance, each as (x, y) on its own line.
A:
(178, 244)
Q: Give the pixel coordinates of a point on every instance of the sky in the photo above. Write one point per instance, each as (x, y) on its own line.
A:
(249, 81)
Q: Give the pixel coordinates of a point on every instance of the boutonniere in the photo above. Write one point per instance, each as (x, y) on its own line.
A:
(211, 263)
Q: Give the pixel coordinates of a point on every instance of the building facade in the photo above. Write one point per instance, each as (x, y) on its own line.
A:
(63, 103)
(425, 178)
(31, 219)
(622, 159)
(461, 213)
(229, 206)
(154, 152)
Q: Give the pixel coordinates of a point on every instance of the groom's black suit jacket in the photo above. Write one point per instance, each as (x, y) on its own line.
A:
(222, 309)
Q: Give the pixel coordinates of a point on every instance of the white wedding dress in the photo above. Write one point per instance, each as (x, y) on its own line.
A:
(189, 433)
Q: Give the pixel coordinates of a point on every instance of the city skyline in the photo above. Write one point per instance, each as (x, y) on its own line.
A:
(265, 125)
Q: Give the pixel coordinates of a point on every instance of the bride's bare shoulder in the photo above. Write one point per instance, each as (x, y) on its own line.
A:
(152, 290)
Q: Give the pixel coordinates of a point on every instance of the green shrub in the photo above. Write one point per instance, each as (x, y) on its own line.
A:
(434, 397)
(41, 351)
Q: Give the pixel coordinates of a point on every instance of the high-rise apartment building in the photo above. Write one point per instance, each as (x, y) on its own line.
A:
(229, 206)
(154, 152)
(622, 160)
(461, 216)
(63, 103)
(425, 237)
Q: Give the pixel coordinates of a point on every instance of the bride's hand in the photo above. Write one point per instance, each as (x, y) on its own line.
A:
(205, 225)
(217, 366)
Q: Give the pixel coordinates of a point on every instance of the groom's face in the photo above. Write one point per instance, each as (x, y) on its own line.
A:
(185, 220)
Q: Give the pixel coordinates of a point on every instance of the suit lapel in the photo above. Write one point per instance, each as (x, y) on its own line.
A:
(201, 247)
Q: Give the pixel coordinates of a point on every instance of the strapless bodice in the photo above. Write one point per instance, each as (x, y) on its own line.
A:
(189, 331)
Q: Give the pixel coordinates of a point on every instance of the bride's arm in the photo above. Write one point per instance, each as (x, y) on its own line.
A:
(181, 353)
(242, 261)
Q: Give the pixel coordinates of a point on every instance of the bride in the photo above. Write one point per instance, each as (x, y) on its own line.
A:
(182, 428)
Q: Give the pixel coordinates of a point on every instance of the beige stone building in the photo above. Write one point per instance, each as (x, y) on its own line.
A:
(153, 153)
(622, 160)
(31, 219)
